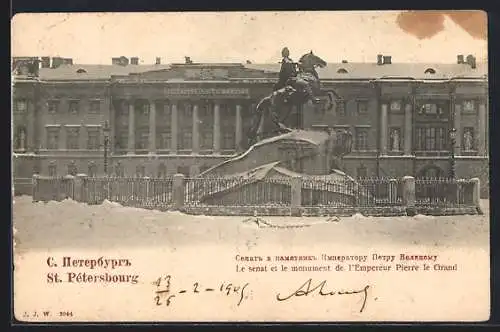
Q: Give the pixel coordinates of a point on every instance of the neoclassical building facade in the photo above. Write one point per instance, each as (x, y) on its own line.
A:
(169, 118)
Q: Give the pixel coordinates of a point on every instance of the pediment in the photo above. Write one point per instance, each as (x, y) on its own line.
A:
(201, 72)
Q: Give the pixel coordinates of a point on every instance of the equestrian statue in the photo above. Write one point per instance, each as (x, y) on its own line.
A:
(297, 84)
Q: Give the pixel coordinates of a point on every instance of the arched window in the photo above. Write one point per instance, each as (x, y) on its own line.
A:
(72, 169)
(92, 169)
(52, 168)
(119, 170)
(81, 71)
(20, 138)
(430, 71)
(162, 170)
(342, 71)
(431, 171)
(140, 171)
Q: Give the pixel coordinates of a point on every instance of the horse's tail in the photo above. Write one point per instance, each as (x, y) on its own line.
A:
(332, 96)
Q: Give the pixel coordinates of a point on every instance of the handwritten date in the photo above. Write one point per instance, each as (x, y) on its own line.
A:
(165, 294)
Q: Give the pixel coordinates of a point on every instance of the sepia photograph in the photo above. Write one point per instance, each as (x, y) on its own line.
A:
(326, 166)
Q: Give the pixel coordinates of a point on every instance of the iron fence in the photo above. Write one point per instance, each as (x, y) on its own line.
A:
(237, 192)
(53, 188)
(248, 191)
(138, 192)
(363, 192)
(443, 192)
(23, 186)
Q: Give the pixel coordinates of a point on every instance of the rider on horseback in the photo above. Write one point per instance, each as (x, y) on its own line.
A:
(287, 71)
(290, 80)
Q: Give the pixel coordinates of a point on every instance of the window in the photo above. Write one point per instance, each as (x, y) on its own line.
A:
(395, 139)
(361, 171)
(143, 141)
(188, 111)
(186, 139)
(431, 139)
(468, 139)
(53, 106)
(20, 138)
(122, 141)
(362, 107)
(53, 138)
(395, 106)
(469, 106)
(93, 141)
(145, 109)
(95, 106)
(430, 71)
(162, 170)
(204, 168)
(228, 140)
(207, 140)
(72, 138)
(340, 107)
(140, 171)
(92, 169)
(20, 106)
(72, 169)
(119, 169)
(73, 106)
(163, 141)
(183, 170)
(52, 169)
(361, 139)
(342, 71)
(81, 71)
(165, 113)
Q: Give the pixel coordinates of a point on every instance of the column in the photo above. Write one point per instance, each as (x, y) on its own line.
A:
(457, 113)
(152, 127)
(216, 128)
(131, 127)
(383, 129)
(112, 125)
(196, 130)
(408, 135)
(239, 127)
(481, 130)
(173, 127)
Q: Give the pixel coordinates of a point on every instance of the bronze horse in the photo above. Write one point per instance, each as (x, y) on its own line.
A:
(298, 90)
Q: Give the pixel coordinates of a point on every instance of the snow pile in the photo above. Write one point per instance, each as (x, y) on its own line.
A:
(74, 225)
(421, 216)
(359, 216)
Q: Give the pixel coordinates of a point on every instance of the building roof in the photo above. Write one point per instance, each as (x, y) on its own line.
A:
(333, 71)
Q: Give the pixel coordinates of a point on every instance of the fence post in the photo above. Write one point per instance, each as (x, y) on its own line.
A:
(80, 188)
(393, 195)
(409, 195)
(34, 187)
(178, 186)
(296, 195)
(476, 194)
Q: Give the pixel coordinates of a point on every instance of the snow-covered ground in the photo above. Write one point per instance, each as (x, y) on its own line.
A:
(68, 224)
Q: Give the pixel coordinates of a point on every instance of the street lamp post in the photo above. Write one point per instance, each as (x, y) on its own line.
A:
(106, 144)
(453, 139)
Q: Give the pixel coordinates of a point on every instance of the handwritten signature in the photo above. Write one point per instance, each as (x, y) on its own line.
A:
(165, 295)
(306, 289)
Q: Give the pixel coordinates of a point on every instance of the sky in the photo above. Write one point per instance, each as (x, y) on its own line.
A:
(94, 38)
